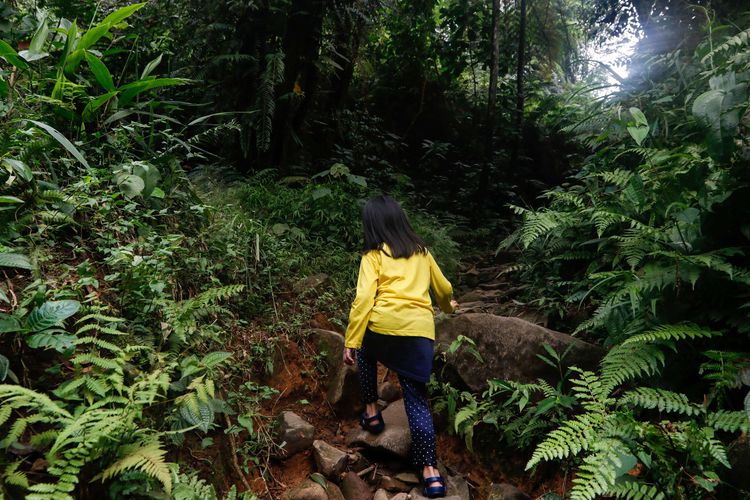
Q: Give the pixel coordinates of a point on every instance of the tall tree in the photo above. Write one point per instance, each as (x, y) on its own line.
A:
(489, 146)
(520, 96)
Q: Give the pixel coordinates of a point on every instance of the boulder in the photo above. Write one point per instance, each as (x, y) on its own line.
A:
(329, 344)
(508, 347)
(389, 392)
(330, 461)
(354, 488)
(505, 491)
(739, 457)
(455, 483)
(343, 386)
(400, 496)
(295, 432)
(395, 438)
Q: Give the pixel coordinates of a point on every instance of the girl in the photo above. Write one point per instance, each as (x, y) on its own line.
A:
(391, 321)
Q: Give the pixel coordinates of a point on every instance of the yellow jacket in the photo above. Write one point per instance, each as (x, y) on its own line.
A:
(393, 296)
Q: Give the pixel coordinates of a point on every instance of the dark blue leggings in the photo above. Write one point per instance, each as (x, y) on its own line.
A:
(415, 402)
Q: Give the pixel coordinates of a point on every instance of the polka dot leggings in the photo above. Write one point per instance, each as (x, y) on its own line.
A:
(417, 409)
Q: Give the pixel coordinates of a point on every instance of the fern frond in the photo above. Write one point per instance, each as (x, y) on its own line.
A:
(672, 332)
(148, 457)
(634, 490)
(662, 400)
(729, 421)
(572, 437)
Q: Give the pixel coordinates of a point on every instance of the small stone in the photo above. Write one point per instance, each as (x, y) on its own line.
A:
(308, 490)
(295, 432)
(354, 488)
(392, 484)
(505, 491)
(407, 477)
(330, 461)
(380, 495)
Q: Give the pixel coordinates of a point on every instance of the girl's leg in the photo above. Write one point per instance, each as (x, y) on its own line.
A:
(368, 380)
(420, 424)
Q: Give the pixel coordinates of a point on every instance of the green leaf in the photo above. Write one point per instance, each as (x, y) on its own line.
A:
(100, 71)
(246, 421)
(639, 134)
(11, 56)
(747, 405)
(130, 185)
(36, 45)
(4, 366)
(51, 313)
(151, 66)
(214, 358)
(60, 342)
(320, 193)
(121, 14)
(149, 173)
(92, 36)
(10, 199)
(318, 478)
(640, 118)
(95, 104)
(131, 90)
(9, 324)
(62, 140)
(158, 193)
(20, 168)
(15, 260)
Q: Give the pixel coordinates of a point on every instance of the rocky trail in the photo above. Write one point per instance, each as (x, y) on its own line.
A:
(327, 456)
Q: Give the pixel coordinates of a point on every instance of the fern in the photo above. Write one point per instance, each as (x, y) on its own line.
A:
(662, 400)
(146, 456)
(266, 102)
(634, 490)
(672, 332)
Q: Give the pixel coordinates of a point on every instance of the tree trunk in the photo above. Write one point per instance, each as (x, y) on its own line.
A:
(520, 96)
(301, 48)
(489, 137)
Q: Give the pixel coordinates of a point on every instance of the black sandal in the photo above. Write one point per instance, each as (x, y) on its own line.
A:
(365, 422)
(433, 491)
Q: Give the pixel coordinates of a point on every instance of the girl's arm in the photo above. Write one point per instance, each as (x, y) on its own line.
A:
(367, 286)
(440, 286)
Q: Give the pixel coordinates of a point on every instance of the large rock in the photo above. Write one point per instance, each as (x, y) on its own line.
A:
(343, 386)
(416, 494)
(739, 458)
(330, 461)
(395, 438)
(354, 488)
(295, 432)
(509, 348)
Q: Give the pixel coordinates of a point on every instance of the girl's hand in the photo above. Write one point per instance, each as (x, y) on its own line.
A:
(455, 305)
(349, 355)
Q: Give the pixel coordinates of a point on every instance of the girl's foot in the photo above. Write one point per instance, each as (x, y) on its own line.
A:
(433, 486)
(372, 420)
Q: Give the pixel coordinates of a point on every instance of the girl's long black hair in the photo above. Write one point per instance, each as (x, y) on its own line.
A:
(385, 222)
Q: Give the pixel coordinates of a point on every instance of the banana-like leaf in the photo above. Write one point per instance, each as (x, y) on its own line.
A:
(4, 365)
(100, 71)
(51, 313)
(121, 14)
(131, 90)
(151, 66)
(15, 260)
(63, 141)
(36, 45)
(11, 56)
(20, 168)
(93, 105)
